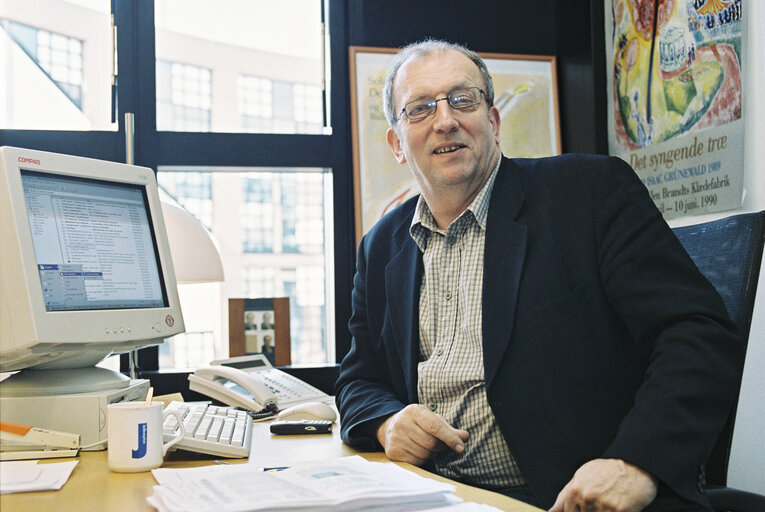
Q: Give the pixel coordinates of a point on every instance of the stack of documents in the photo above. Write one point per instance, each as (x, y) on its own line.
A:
(346, 483)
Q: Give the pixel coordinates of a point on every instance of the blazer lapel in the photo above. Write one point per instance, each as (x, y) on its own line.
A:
(403, 276)
(504, 255)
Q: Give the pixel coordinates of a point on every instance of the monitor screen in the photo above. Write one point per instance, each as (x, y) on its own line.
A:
(93, 242)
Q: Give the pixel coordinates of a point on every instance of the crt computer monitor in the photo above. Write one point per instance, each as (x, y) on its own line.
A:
(85, 270)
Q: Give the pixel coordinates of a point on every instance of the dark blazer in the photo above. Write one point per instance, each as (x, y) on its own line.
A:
(600, 336)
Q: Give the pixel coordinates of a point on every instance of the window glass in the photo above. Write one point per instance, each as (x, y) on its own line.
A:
(257, 214)
(56, 60)
(184, 97)
(274, 225)
(222, 67)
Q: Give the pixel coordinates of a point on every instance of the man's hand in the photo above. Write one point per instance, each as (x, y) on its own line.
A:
(607, 485)
(415, 433)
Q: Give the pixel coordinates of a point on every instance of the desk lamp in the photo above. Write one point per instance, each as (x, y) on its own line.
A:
(195, 257)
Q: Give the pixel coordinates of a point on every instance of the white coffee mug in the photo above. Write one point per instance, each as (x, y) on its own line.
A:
(135, 435)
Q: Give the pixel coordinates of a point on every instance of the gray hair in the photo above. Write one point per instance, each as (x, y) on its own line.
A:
(422, 49)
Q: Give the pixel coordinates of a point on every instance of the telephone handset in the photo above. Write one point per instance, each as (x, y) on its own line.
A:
(251, 382)
(231, 386)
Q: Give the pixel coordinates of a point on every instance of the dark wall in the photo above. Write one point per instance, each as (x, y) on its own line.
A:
(507, 26)
(580, 47)
(561, 28)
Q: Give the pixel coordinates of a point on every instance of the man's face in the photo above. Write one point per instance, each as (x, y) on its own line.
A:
(451, 147)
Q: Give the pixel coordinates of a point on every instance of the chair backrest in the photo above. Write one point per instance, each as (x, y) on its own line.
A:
(728, 252)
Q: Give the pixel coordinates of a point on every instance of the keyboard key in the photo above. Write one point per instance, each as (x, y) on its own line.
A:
(215, 429)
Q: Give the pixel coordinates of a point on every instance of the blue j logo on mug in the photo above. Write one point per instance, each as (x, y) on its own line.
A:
(141, 451)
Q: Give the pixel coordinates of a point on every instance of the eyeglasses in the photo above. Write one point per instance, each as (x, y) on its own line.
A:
(460, 99)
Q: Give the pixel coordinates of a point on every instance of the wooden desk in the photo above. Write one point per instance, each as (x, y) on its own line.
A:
(93, 487)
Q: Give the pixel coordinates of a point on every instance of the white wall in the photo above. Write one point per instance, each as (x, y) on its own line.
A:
(747, 463)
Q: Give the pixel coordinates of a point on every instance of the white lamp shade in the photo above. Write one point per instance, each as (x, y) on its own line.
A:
(195, 257)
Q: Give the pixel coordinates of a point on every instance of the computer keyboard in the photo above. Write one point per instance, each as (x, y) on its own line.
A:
(220, 431)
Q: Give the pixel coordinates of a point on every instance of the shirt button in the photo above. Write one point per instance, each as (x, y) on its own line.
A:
(439, 351)
(433, 406)
(448, 295)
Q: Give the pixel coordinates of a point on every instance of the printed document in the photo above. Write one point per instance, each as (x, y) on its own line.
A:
(344, 483)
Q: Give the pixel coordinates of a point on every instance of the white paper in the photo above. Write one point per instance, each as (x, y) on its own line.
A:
(345, 483)
(466, 506)
(28, 475)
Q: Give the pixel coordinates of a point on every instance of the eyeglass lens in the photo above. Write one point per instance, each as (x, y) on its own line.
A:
(459, 99)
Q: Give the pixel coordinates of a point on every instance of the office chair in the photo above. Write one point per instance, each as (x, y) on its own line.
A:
(728, 252)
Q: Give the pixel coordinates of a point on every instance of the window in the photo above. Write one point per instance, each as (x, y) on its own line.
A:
(61, 58)
(184, 96)
(257, 79)
(235, 117)
(255, 97)
(302, 221)
(260, 281)
(190, 350)
(257, 215)
(307, 107)
(193, 191)
(283, 217)
(221, 68)
(50, 81)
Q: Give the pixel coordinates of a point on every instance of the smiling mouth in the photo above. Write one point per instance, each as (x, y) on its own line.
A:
(448, 149)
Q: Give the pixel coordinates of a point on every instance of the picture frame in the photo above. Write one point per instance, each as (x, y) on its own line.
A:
(526, 94)
(260, 326)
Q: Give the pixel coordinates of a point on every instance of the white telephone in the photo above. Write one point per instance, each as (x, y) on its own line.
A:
(251, 382)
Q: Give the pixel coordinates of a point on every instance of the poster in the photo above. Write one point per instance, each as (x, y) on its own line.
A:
(675, 111)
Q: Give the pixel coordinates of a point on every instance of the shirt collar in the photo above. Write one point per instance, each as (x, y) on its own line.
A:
(423, 222)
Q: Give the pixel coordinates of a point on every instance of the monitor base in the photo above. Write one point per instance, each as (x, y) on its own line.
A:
(31, 382)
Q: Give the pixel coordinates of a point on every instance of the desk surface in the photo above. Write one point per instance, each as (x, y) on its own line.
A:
(93, 487)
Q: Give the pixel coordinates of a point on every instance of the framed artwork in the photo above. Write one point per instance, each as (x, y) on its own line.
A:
(675, 89)
(260, 326)
(525, 93)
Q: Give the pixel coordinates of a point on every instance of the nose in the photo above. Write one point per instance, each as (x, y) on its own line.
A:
(443, 118)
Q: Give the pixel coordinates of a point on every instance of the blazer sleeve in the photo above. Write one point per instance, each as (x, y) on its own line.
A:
(677, 317)
(365, 392)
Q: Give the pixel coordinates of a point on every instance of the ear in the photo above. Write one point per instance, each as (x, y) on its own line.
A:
(495, 120)
(395, 145)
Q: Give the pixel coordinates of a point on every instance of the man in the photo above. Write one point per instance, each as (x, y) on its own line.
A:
(268, 348)
(529, 326)
(268, 321)
(249, 321)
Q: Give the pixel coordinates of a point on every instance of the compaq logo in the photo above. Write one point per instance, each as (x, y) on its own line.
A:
(25, 160)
